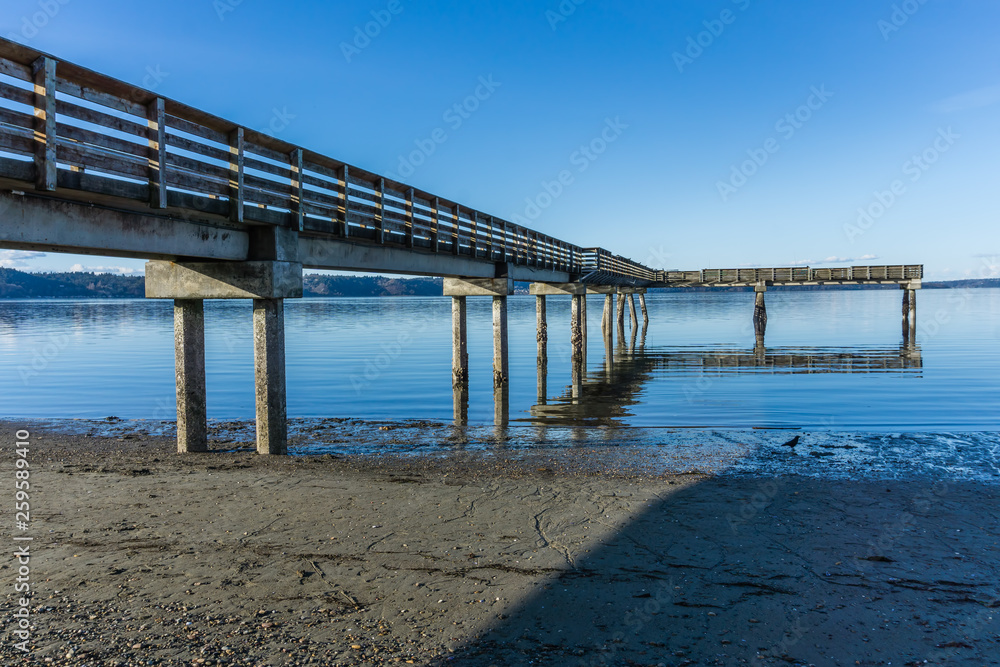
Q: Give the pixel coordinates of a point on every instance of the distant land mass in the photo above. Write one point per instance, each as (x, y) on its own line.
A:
(16, 284)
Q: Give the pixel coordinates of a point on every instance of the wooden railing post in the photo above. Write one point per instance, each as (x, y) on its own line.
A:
(157, 140)
(298, 191)
(380, 212)
(237, 151)
(46, 174)
(409, 218)
(435, 222)
(474, 236)
(455, 236)
(345, 232)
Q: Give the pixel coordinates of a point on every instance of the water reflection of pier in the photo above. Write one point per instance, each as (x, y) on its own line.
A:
(603, 396)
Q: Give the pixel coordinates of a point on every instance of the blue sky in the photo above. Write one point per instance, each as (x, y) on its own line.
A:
(695, 134)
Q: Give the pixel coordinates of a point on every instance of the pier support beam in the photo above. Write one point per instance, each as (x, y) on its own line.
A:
(607, 315)
(459, 342)
(269, 375)
(268, 282)
(645, 313)
(542, 337)
(631, 310)
(620, 314)
(189, 355)
(760, 310)
(501, 375)
(576, 328)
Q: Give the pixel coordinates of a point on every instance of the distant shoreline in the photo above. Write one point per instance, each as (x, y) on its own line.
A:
(16, 284)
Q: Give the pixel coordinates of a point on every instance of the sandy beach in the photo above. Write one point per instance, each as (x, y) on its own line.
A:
(144, 557)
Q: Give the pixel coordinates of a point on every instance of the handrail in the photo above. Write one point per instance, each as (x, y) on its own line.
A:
(91, 133)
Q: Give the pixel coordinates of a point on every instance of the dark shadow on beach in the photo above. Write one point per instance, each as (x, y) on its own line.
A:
(739, 571)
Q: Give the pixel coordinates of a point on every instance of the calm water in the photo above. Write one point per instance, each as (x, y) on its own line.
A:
(833, 360)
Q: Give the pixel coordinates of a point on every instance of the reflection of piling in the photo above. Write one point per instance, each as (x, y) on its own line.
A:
(460, 398)
(501, 405)
(760, 310)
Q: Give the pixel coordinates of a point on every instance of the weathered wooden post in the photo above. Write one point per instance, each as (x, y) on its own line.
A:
(620, 314)
(460, 359)
(910, 309)
(631, 310)
(760, 309)
(189, 357)
(606, 316)
(542, 337)
(576, 328)
(459, 341)
(501, 375)
(642, 304)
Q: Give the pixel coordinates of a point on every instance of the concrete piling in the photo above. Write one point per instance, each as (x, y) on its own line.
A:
(542, 337)
(501, 376)
(576, 328)
(269, 375)
(189, 355)
(459, 342)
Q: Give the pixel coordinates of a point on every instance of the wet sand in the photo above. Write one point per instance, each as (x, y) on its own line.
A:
(144, 557)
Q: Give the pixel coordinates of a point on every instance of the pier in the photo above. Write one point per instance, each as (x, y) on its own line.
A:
(93, 165)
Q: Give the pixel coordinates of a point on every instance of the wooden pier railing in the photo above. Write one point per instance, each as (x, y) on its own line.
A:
(66, 128)
(794, 275)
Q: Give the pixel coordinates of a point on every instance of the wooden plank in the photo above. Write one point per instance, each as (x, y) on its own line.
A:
(46, 166)
(455, 232)
(255, 196)
(347, 202)
(276, 187)
(15, 94)
(298, 189)
(264, 151)
(82, 136)
(410, 221)
(237, 149)
(16, 118)
(309, 179)
(435, 226)
(101, 159)
(197, 166)
(101, 119)
(198, 148)
(157, 154)
(197, 130)
(100, 96)
(282, 171)
(197, 183)
(22, 144)
(16, 70)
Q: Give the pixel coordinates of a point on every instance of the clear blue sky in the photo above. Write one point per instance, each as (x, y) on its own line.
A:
(886, 82)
